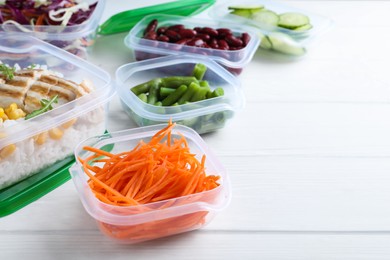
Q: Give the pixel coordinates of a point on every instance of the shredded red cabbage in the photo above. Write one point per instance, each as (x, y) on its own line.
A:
(24, 11)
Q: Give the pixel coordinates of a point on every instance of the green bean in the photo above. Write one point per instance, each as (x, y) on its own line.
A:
(204, 83)
(175, 96)
(143, 97)
(175, 82)
(159, 104)
(218, 92)
(164, 92)
(199, 71)
(199, 95)
(153, 93)
(192, 89)
(145, 87)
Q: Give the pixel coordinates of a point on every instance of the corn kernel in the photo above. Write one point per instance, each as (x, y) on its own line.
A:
(13, 112)
(55, 133)
(69, 123)
(7, 151)
(3, 115)
(40, 138)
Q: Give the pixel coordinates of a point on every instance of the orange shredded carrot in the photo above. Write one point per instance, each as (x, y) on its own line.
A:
(158, 170)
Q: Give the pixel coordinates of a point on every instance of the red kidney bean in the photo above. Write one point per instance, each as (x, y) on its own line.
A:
(196, 42)
(173, 35)
(176, 27)
(161, 30)
(233, 41)
(224, 32)
(163, 38)
(197, 29)
(151, 35)
(223, 45)
(183, 41)
(204, 37)
(151, 26)
(187, 33)
(210, 31)
(245, 37)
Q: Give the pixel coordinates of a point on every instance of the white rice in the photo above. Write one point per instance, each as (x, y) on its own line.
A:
(30, 158)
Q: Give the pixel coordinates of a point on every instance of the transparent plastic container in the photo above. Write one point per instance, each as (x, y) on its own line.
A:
(275, 39)
(232, 60)
(203, 116)
(133, 224)
(36, 153)
(76, 39)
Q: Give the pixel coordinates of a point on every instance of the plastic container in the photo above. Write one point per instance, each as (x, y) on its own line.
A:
(232, 60)
(284, 41)
(203, 116)
(36, 153)
(76, 39)
(132, 224)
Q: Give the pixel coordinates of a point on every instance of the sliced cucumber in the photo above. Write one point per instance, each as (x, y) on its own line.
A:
(266, 17)
(246, 7)
(303, 28)
(293, 20)
(242, 13)
(266, 43)
(283, 43)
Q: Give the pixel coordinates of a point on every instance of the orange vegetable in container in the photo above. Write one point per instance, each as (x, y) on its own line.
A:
(156, 188)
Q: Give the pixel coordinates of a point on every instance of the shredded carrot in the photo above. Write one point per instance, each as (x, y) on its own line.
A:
(154, 171)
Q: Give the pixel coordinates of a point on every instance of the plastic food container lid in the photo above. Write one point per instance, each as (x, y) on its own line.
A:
(124, 21)
(61, 33)
(16, 48)
(230, 59)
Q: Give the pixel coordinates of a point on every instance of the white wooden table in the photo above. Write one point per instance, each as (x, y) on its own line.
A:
(309, 158)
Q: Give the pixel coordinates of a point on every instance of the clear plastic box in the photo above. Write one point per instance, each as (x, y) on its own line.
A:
(203, 116)
(293, 43)
(35, 153)
(132, 224)
(76, 39)
(232, 60)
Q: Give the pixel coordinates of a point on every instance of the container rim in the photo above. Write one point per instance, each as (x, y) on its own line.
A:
(79, 30)
(63, 113)
(135, 42)
(124, 72)
(94, 207)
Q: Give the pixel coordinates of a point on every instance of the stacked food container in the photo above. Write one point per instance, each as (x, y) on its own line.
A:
(185, 72)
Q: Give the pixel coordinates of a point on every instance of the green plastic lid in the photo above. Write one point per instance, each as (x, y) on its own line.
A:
(36, 186)
(29, 190)
(124, 21)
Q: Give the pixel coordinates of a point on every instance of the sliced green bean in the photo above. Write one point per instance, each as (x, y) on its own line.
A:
(159, 104)
(204, 83)
(143, 97)
(199, 71)
(153, 93)
(175, 82)
(218, 92)
(164, 92)
(175, 96)
(199, 95)
(145, 87)
(192, 89)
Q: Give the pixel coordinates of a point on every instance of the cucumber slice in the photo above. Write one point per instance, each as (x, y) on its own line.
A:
(246, 7)
(242, 13)
(303, 28)
(293, 20)
(283, 43)
(266, 17)
(266, 43)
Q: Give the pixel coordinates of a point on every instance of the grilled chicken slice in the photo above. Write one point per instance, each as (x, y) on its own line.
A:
(29, 87)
